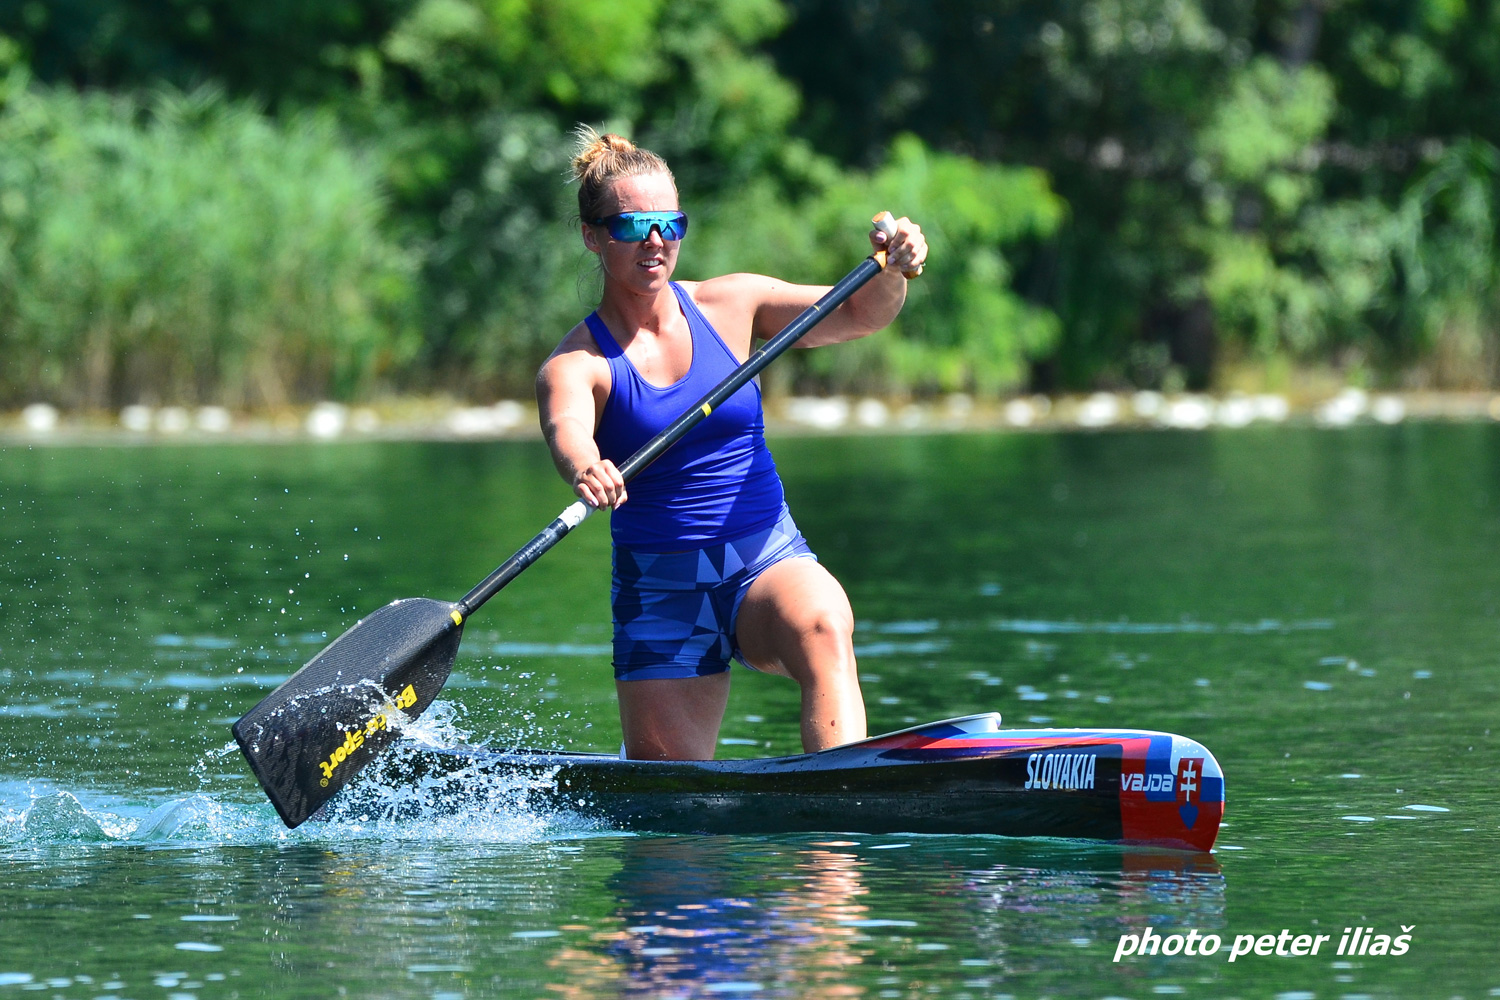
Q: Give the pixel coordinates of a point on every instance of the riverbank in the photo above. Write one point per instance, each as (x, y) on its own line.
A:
(444, 419)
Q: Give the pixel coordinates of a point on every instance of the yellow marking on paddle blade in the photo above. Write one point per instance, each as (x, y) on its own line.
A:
(458, 619)
(355, 738)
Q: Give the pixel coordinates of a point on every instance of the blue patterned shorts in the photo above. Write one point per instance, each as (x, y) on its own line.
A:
(675, 612)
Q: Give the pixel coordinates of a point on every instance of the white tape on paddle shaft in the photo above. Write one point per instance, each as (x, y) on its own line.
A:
(886, 223)
(574, 515)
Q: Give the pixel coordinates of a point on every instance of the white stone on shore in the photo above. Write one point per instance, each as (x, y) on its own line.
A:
(823, 414)
(471, 421)
(1271, 407)
(364, 421)
(1189, 412)
(1100, 410)
(1020, 413)
(480, 421)
(958, 405)
(327, 420)
(213, 419)
(912, 416)
(40, 418)
(173, 420)
(1343, 409)
(1235, 411)
(1147, 404)
(508, 414)
(137, 418)
(1388, 409)
(871, 413)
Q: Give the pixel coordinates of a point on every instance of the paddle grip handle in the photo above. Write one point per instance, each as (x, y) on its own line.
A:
(886, 223)
(673, 432)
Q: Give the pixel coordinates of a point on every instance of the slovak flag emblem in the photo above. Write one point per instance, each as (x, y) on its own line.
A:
(1189, 783)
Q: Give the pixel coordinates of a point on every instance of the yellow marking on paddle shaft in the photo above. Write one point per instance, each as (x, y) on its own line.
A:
(458, 619)
(355, 738)
(706, 409)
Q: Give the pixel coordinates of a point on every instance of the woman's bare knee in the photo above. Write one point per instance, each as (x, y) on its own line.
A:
(826, 623)
(797, 621)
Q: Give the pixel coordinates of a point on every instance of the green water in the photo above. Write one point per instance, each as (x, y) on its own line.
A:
(1318, 607)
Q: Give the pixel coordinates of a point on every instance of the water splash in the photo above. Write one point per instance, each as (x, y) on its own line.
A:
(398, 798)
(60, 816)
(392, 800)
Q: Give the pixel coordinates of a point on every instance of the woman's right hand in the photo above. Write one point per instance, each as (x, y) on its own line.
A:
(600, 484)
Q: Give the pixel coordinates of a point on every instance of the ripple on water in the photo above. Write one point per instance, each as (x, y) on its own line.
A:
(906, 627)
(194, 641)
(1268, 625)
(733, 987)
(919, 648)
(550, 649)
(60, 708)
(216, 682)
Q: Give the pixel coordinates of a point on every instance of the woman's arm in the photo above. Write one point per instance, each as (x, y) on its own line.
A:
(745, 307)
(571, 389)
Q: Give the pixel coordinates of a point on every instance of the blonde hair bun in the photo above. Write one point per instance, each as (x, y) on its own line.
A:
(590, 147)
(601, 159)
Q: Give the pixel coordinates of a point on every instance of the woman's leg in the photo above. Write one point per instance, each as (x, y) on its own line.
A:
(795, 621)
(673, 718)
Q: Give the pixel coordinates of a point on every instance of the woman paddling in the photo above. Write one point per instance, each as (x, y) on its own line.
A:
(708, 564)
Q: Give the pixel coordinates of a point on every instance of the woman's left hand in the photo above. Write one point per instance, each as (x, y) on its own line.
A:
(905, 250)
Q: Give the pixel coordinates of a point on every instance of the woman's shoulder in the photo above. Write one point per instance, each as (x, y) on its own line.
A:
(578, 353)
(580, 338)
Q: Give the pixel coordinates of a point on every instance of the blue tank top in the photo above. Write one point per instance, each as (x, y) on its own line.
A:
(716, 484)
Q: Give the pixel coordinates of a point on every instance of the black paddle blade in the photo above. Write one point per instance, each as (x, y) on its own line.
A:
(309, 737)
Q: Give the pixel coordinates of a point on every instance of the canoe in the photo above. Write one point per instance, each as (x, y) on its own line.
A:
(957, 776)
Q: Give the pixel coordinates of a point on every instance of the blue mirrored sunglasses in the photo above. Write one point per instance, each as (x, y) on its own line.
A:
(633, 227)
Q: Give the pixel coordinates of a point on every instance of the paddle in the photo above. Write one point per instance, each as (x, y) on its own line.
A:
(315, 732)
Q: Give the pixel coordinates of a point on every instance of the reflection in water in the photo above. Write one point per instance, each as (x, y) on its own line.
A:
(701, 916)
(694, 921)
(1041, 897)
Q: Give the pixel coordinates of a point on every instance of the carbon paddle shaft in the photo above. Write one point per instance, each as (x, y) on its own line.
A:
(651, 450)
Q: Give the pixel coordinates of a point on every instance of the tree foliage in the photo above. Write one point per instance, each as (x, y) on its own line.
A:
(187, 250)
(1161, 193)
(1245, 180)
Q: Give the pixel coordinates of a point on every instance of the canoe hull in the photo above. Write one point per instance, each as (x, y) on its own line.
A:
(961, 776)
